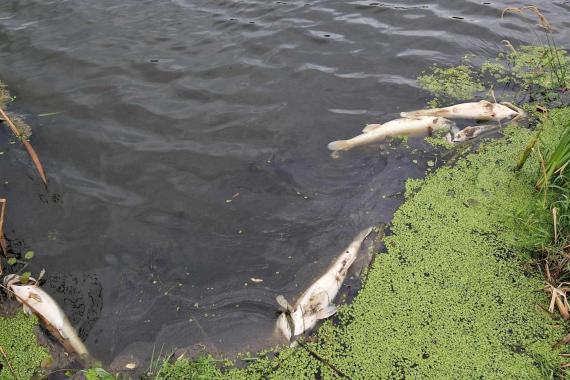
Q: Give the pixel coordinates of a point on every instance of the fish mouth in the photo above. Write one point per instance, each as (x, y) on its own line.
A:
(10, 278)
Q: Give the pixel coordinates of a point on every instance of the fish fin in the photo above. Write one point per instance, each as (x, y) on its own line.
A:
(371, 127)
(26, 309)
(340, 145)
(321, 297)
(282, 301)
(326, 312)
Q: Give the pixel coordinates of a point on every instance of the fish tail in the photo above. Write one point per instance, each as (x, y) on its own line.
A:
(73, 340)
(340, 145)
(364, 233)
(371, 127)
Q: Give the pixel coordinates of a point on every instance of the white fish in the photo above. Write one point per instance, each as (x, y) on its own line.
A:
(316, 302)
(483, 110)
(469, 133)
(35, 300)
(399, 127)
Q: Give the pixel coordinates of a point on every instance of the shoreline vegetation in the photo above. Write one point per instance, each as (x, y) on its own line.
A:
(474, 277)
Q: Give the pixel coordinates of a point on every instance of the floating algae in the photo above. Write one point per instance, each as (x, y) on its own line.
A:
(450, 84)
(529, 66)
(24, 129)
(23, 354)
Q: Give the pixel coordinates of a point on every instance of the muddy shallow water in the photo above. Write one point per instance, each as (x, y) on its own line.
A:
(188, 153)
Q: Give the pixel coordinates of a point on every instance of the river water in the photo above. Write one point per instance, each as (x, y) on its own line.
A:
(187, 153)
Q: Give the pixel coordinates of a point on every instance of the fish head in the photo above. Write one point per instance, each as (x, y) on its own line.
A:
(506, 110)
(291, 324)
(459, 137)
(11, 279)
(467, 133)
(283, 327)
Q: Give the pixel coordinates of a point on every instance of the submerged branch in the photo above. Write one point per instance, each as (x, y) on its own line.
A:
(27, 145)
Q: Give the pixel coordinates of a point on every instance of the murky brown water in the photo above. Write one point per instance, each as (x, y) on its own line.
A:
(189, 154)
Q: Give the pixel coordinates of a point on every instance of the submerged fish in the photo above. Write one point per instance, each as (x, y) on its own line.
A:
(483, 110)
(316, 302)
(35, 300)
(399, 127)
(469, 133)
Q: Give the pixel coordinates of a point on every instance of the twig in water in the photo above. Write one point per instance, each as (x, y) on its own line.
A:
(323, 360)
(3, 244)
(27, 145)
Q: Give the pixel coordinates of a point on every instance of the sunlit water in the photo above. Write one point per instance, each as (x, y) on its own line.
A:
(188, 153)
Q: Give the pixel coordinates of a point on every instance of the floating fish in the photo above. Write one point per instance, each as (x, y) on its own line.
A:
(35, 300)
(483, 111)
(316, 302)
(399, 127)
(469, 133)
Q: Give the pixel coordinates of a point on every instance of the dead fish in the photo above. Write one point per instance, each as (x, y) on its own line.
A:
(469, 133)
(400, 127)
(316, 302)
(483, 110)
(35, 300)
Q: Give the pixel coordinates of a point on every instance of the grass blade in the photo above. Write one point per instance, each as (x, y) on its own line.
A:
(3, 244)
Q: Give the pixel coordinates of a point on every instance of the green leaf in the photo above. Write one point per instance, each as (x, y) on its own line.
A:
(28, 255)
(12, 261)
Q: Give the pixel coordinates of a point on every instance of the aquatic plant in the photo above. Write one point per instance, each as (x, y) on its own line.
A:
(202, 368)
(97, 374)
(4, 94)
(453, 83)
(542, 69)
(552, 64)
(556, 162)
(20, 354)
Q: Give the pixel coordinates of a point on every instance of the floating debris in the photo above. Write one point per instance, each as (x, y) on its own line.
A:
(26, 143)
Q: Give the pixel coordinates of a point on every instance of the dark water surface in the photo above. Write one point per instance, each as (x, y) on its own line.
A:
(189, 154)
